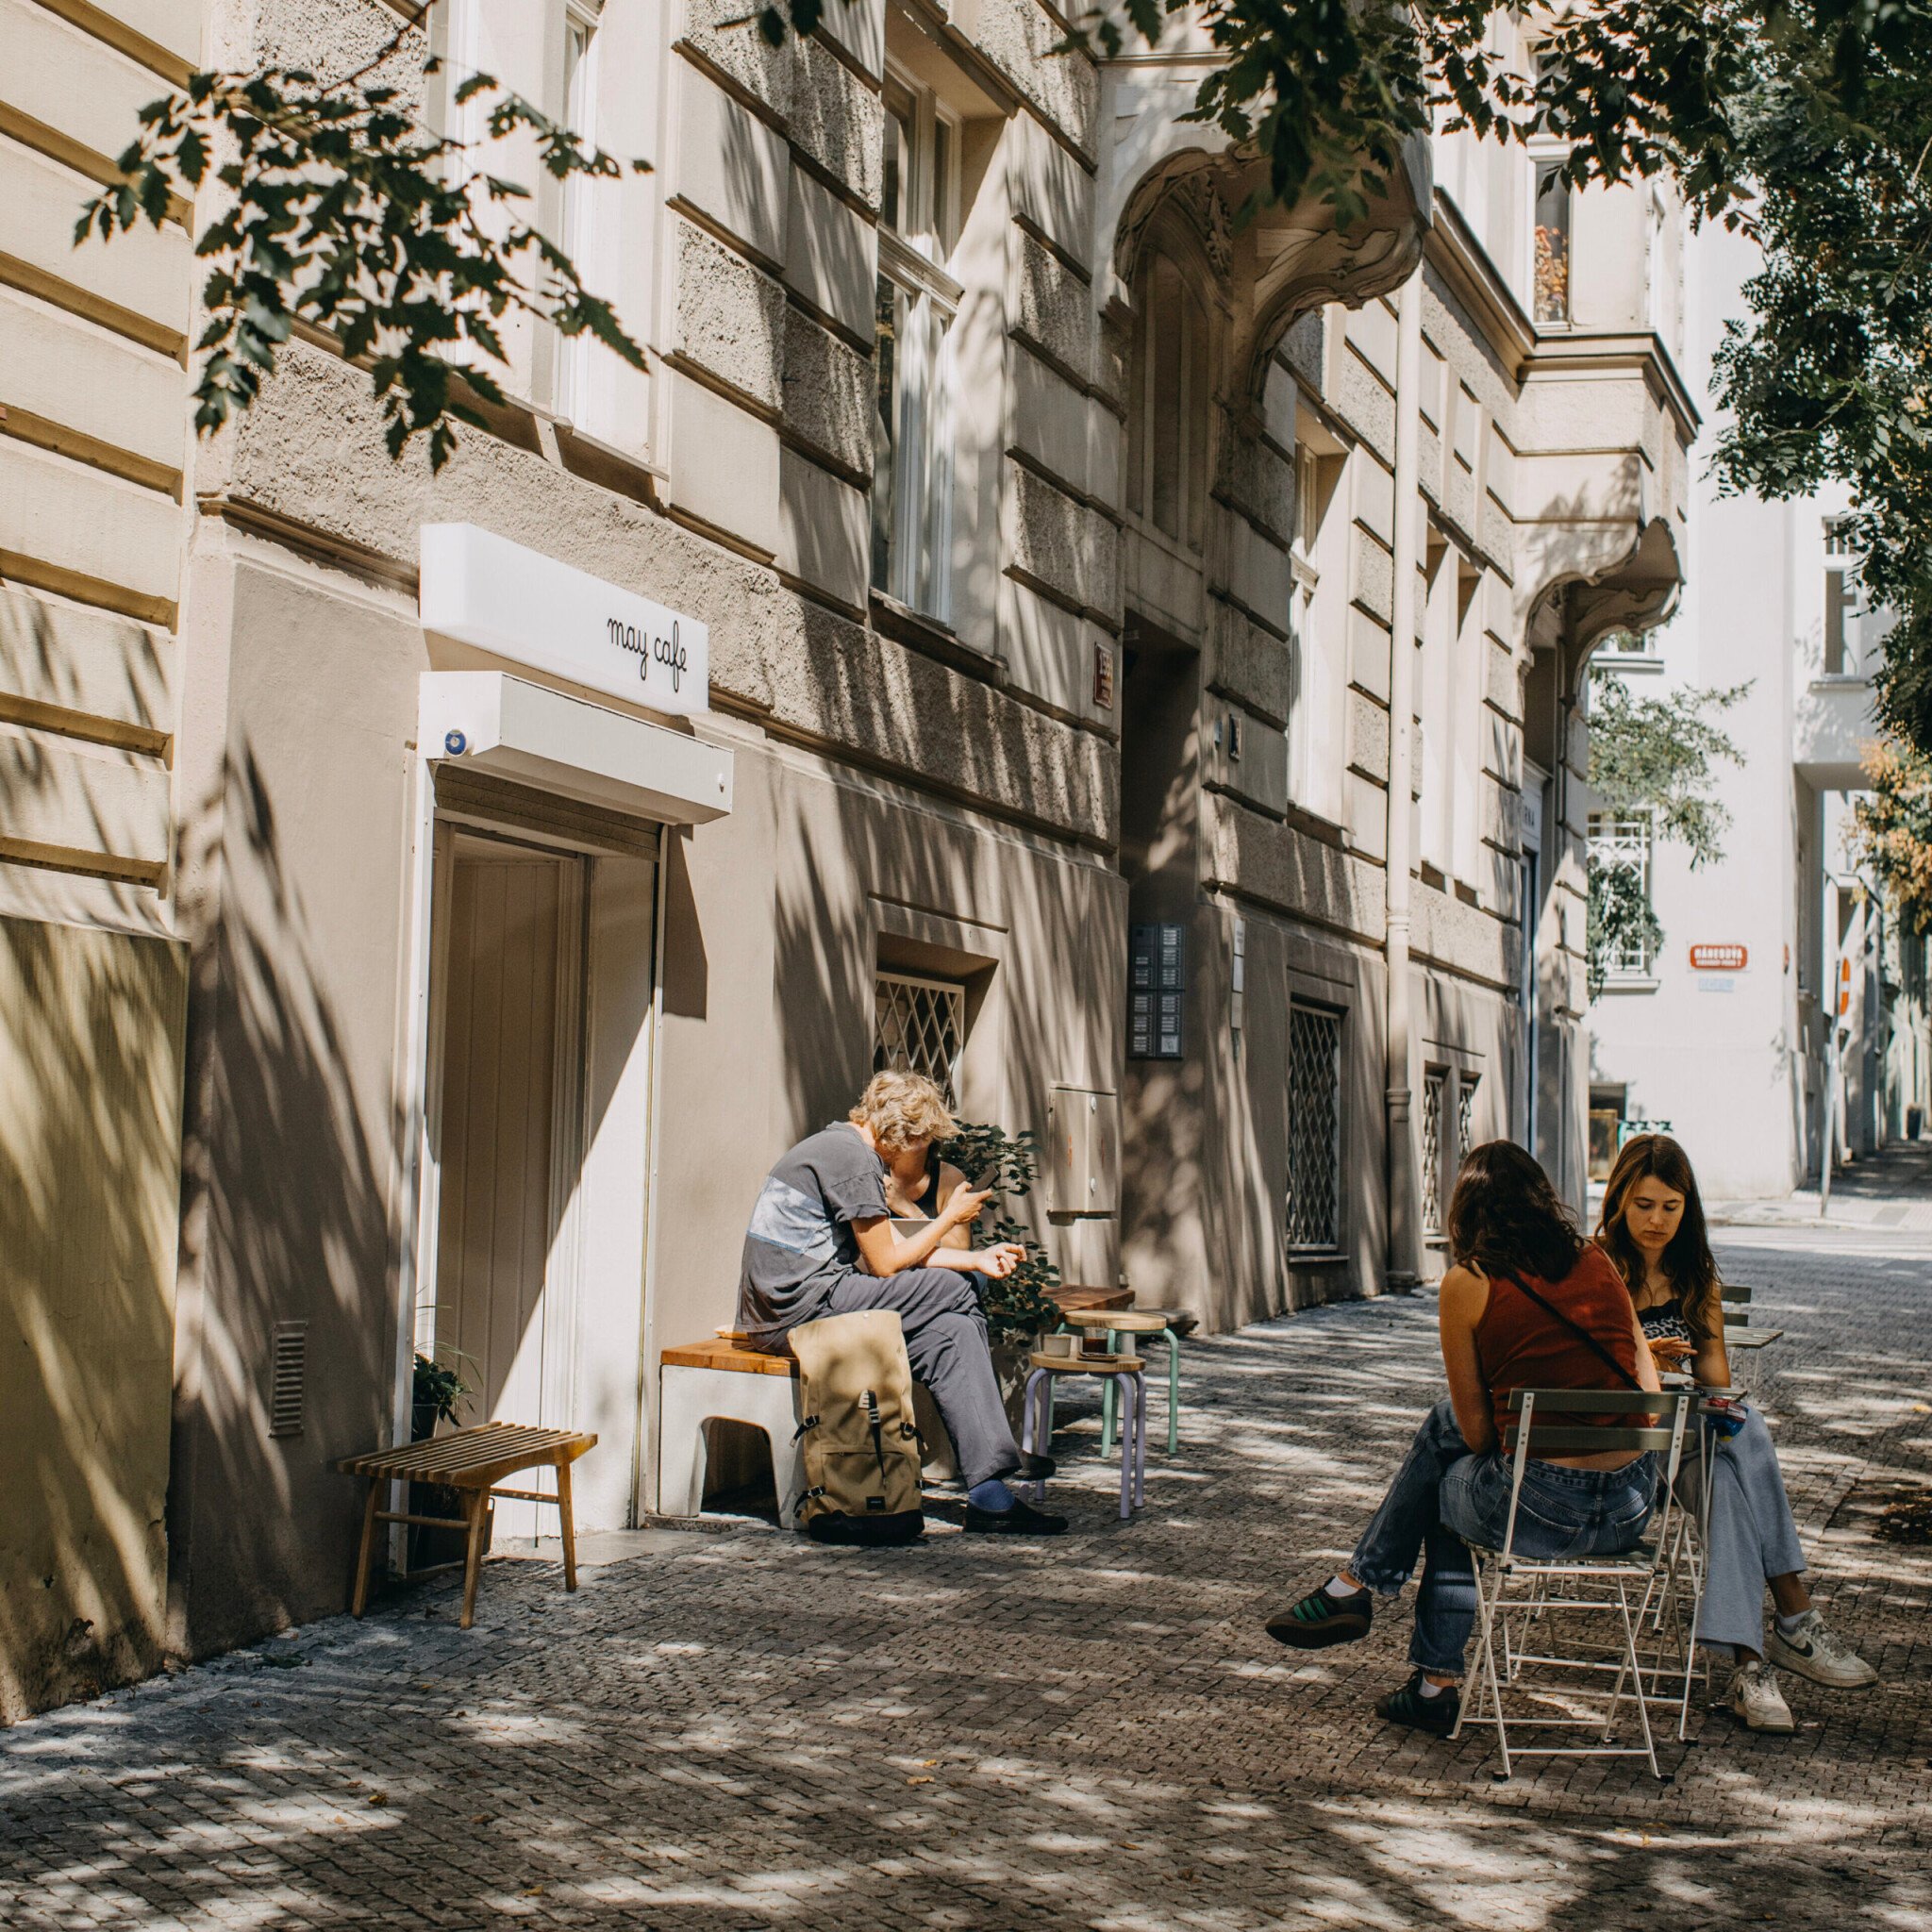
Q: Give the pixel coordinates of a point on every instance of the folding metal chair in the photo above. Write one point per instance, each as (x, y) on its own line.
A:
(1555, 1590)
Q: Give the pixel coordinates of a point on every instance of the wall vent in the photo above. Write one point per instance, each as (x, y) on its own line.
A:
(288, 1373)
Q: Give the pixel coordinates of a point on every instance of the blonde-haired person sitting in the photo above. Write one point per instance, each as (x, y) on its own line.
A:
(822, 1243)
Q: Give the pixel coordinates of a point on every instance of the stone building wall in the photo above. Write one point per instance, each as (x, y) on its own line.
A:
(1120, 653)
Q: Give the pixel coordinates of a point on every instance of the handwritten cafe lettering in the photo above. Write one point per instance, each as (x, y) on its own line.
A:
(516, 603)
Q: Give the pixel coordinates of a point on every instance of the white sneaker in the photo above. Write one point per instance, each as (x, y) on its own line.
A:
(1756, 1702)
(1812, 1650)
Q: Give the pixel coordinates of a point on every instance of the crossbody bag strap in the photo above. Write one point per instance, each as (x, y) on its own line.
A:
(1581, 1333)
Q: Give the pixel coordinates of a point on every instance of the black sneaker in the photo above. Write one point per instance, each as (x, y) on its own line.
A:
(1023, 1518)
(1319, 1620)
(1034, 1467)
(1435, 1715)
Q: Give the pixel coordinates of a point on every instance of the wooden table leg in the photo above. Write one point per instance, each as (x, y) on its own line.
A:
(570, 1527)
(477, 1508)
(367, 1552)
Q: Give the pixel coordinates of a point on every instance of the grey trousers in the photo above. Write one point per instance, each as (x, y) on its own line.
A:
(1753, 1537)
(947, 1343)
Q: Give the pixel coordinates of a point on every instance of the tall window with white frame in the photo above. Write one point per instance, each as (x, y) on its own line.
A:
(917, 298)
(1550, 269)
(578, 241)
(1627, 839)
(1169, 406)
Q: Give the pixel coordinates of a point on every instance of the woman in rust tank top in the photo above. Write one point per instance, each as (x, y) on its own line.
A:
(1529, 1304)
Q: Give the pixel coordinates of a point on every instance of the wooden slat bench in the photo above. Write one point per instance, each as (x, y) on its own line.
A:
(475, 1462)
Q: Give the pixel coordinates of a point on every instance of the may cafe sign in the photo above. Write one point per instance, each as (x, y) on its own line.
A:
(483, 590)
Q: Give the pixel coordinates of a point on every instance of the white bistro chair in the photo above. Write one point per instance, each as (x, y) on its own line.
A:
(1557, 1592)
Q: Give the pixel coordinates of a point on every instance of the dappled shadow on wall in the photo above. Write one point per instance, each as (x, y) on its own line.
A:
(91, 1042)
(285, 1230)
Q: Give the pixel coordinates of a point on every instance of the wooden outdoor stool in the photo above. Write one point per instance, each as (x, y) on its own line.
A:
(475, 1462)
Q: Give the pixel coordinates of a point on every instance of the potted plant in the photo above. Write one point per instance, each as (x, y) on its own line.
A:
(436, 1391)
(1017, 1311)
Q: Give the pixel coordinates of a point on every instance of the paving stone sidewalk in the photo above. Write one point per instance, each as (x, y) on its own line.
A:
(735, 1729)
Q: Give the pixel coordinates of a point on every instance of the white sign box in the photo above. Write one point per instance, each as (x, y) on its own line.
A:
(483, 590)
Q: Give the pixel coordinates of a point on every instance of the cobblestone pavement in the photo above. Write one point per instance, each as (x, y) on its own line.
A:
(736, 1729)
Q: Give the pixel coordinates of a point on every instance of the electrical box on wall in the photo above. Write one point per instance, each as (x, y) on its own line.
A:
(1083, 1151)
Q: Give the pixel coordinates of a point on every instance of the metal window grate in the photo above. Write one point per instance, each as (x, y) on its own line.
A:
(1465, 1117)
(287, 1376)
(1435, 1084)
(920, 1028)
(1314, 1128)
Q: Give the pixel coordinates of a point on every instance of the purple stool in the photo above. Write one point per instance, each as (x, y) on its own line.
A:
(1037, 1418)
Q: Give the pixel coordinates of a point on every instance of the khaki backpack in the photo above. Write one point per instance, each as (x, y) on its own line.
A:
(861, 1446)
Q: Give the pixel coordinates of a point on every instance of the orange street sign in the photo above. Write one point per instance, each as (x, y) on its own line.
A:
(1718, 959)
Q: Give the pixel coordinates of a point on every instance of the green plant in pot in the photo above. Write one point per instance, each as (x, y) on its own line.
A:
(436, 1395)
(1017, 1307)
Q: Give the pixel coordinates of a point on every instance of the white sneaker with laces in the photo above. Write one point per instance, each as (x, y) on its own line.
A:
(1756, 1702)
(1814, 1650)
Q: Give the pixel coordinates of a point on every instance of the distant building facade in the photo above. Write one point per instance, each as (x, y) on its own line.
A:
(1078, 577)
(1725, 1032)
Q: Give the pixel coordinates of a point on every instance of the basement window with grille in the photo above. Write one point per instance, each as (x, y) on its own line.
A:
(920, 1028)
(1435, 1087)
(287, 1378)
(1314, 1130)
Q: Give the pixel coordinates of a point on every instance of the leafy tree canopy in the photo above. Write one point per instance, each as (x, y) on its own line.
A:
(1891, 829)
(1829, 376)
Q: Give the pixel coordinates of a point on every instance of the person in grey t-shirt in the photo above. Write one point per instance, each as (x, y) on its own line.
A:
(822, 1243)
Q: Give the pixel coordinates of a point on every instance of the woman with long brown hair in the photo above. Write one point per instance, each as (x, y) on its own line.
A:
(1529, 1304)
(1652, 1226)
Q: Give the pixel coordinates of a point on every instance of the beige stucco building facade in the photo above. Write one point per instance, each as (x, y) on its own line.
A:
(1073, 566)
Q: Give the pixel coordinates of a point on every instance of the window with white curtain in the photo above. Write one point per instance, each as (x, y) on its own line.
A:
(916, 299)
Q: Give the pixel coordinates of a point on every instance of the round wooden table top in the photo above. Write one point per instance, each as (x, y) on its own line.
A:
(1087, 1364)
(1123, 1321)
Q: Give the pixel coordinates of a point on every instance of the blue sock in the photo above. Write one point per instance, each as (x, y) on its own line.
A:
(991, 1495)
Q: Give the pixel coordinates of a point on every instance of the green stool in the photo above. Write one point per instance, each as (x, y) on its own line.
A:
(1155, 1324)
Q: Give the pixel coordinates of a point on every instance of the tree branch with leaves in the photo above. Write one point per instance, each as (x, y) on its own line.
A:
(1653, 758)
(339, 209)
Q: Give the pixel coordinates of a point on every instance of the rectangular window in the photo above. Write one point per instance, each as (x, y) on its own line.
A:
(1551, 270)
(1465, 1116)
(1169, 404)
(919, 1027)
(1626, 839)
(917, 298)
(579, 239)
(1435, 1090)
(1314, 1129)
(1844, 599)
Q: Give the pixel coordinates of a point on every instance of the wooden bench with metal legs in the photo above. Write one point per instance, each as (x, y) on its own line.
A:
(475, 1462)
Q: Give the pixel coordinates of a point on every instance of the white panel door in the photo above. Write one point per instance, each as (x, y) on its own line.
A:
(509, 1134)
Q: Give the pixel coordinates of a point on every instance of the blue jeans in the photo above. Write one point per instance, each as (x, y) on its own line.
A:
(1443, 1494)
(1753, 1537)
